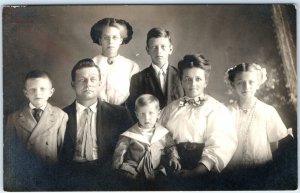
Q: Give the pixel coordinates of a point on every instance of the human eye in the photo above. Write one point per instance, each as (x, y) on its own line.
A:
(188, 79)
(239, 83)
(105, 38)
(164, 47)
(80, 80)
(153, 47)
(31, 90)
(94, 79)
(198, 79)
(115, 37)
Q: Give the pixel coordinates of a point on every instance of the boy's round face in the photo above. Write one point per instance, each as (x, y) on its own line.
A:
(38, 91)
(86, 84)
(148, 115)
(111, 40)
(193, 82)
(159, 50)
(246, 84)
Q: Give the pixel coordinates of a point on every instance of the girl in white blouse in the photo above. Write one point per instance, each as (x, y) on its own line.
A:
(200, 125)
(116, 70)
(258, 125)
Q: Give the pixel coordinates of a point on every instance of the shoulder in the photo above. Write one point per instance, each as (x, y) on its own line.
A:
(17, 113)
(127, 61)
(111, 108)
(56, 110)
(97, 59)
(173, 106)
(133, 129)
(265, 108)
(213, 105)
(173, 69)
(70, 108)
(145, 72)
(232, 106)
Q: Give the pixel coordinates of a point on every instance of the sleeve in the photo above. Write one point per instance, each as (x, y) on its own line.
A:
(170, 148)
(121, 149)
(135, 69)
(61, 131)
(126, 121)
(220, 140)
(164, 116)
(276, 129)
(134, 92)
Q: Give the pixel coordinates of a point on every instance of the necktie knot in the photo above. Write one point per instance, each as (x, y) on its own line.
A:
(198, 101)
(88, 111)
(37, 114)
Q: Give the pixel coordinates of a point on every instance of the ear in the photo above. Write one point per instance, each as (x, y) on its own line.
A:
(147, 49)
(100, 42)
(25, 92)
(232, 85)
(158, 114)
(52, 90)
(73, 84)
(171, 49)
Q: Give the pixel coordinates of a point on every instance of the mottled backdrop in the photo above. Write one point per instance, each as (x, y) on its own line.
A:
(54, 38)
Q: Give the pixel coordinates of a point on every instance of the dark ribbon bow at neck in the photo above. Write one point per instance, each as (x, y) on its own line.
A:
(198, 101)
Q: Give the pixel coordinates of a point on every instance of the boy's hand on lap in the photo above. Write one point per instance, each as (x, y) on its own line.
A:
(175, 164)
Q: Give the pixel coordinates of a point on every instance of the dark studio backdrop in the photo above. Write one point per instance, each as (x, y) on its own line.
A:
(54, 38)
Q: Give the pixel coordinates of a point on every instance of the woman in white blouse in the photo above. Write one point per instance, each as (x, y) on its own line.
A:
(116, 70)
(200, 125)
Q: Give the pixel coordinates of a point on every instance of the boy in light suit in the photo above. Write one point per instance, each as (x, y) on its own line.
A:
(160, 78)
(39, 127)
(33, 138)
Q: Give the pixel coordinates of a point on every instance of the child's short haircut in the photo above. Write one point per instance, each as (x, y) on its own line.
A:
(84, 63)
(158, 33)
(37, 74)
(146, 99)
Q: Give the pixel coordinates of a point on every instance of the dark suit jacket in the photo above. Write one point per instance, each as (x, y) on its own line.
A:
(112, 120)
(146, 82)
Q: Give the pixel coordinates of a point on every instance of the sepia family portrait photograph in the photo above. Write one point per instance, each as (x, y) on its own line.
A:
(157, 97)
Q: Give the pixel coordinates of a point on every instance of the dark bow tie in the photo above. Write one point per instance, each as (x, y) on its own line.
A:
(198, 101)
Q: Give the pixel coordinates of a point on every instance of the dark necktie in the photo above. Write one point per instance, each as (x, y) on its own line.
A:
(37, 114)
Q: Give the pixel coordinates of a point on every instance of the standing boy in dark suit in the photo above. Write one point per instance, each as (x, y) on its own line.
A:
(92, 132)
(160, 78)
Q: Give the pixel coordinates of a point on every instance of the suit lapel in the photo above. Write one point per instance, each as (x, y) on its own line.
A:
(46, 122)
(153, 82)
(174, 88)
(100, 127)
(72, 122)
(26, 119)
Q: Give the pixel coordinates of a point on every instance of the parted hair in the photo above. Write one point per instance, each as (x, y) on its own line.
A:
(194, 61)
(245, 67)
(146, 99)
(158, 33)
(124, 27)
(84, 63)
(37, 74)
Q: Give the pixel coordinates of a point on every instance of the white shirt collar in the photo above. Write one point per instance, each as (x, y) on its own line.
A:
(80, 107)
(33, 107)
(163, 68)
